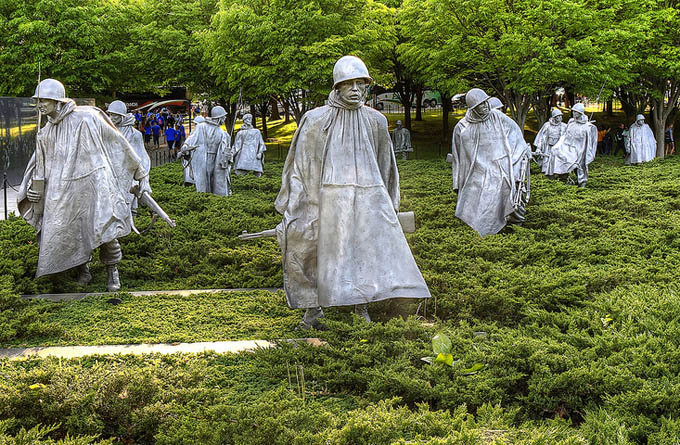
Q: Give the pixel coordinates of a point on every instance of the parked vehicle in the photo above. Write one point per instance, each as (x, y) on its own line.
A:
(431, 98)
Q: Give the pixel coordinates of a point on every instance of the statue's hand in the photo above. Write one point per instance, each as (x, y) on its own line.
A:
(33, 196)
(258, 156)
(144, 185)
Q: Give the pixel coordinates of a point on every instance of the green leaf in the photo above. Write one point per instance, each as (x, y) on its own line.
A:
(441, 344)
(447, 359)
(474, 369)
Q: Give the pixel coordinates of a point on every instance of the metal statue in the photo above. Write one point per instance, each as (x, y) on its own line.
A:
(576, 147)
(125, 122)
(490, 162)
(547, 137)
(249, 148)
(87, 169)
(401, 141)
(207, 148)
(340, 236)
(641, 145)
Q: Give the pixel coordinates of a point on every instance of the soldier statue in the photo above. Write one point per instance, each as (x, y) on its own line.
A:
(401, 141)
(490, 162)
(547, 137)
(249, 148)
(576, 148)
(125, 122)
(75, 190)
(641, 142)
(340, 236)
(207, 148)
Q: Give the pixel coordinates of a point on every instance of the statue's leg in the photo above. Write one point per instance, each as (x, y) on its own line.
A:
(311, 319)
(210, 171)
(582, 174)
(84, 275)
(110, 255)
(362, 311)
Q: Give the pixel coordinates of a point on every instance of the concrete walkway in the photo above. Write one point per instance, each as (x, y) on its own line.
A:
(181, 293)
(220, 347)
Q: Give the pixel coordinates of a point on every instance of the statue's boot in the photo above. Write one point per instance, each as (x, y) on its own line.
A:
(582, 185)
(311, 319)
(113, 284)
(84, 275)
(362, 311)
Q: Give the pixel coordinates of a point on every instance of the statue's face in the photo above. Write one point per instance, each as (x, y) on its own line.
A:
(483, 109)
(398, 124)
(557, 118)
(248, 119)
(640, 121)
(576, 115)
(47, 106)
(352, 90)
(116, 118)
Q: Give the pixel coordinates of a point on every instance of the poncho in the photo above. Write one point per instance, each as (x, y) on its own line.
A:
(340, 237)
(576, 147)
(136, 140)
(547, 137)
(248, 143)
(89, 170)
(401, 138)
(641, 144)
(210, 158)
(485, 153)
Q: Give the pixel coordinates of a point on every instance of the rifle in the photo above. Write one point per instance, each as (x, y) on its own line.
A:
(147, 200)
(406, 219)
(38, 180)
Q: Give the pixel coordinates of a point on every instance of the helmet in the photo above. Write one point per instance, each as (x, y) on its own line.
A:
(199, 119)
(475, 97)
(117, 107)
(247, 116)
(495, 102)
(217, 112)
(398, 122)
(579, 108)
(50, 89)
(556, 112)
(349, 67)
(639, 117)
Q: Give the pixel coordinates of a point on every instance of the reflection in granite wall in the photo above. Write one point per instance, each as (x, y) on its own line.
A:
(18, 120)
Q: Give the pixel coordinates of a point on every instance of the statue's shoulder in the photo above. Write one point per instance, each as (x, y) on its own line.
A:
(375, 116)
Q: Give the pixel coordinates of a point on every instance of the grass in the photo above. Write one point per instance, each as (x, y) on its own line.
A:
(573, 319)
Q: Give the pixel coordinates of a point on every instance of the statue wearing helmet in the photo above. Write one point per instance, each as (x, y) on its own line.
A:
(547, 137)
(207, 149)
(490, 162)
(125, 122)
(401, 141)
(75, 190)
(576, 147)
(641, 142)
(249, 148)
(340, 236)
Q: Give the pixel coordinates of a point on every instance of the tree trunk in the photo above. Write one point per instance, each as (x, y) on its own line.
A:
(405, 91)
(519, 105)
(286, 111)
(253, 113)
(274, 105)
(610, 107)
(446, 109)
(419, 103)
(541, 104)
(264, 106)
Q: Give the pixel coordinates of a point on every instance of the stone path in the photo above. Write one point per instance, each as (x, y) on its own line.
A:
(182, 293)
(220, 347)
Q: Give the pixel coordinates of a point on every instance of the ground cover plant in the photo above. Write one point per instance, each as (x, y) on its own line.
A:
(562, 331)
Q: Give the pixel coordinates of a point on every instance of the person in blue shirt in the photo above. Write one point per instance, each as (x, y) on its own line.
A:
(170, 138)
(156, 130)
(161, 121)
(180, 135)
(146, 128)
